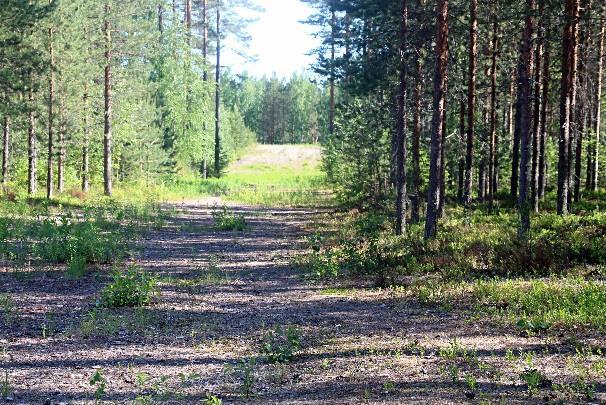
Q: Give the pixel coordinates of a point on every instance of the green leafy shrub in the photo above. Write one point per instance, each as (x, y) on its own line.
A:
(281, 344)
(133, 288)
(229, 221)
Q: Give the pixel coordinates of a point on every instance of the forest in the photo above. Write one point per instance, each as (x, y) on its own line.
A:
(415, 217)
(122, 92)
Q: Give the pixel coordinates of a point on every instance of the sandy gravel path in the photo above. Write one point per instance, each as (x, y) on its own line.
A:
(364, 347)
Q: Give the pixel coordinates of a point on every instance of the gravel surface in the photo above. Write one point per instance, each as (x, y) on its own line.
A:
(363, 347)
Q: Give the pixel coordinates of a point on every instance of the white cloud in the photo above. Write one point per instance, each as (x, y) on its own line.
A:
(279, 40)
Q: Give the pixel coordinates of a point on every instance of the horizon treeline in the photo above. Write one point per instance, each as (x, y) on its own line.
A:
(279, 110)
(96, 92)
(488, 103)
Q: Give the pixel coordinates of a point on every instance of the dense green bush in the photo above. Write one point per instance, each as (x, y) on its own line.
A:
(133, 288)
(229, 221)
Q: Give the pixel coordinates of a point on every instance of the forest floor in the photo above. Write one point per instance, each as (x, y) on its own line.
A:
(222, 293)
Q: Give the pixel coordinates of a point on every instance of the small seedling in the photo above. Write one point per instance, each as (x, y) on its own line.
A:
(530, 328)
(471, 382)
(534, 380)
(281, 344)
(389, 386)
(7, 307)
(244, 372)
(212, 400)
(49, 326)
(5, 387)
(98, 381)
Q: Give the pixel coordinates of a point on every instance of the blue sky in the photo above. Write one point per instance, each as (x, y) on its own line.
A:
(279, 40)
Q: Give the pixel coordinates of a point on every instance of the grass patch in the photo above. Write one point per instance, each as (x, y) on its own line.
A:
(105, 322)
(339, 292)
(72, 232)
(538, 304)
(262, 178)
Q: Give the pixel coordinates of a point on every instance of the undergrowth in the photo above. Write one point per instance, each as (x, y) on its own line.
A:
(554, 279)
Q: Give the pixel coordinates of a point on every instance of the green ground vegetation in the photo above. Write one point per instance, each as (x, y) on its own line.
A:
(555, 279)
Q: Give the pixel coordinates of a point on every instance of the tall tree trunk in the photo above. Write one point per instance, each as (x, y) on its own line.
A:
(471, 95)
(543, 118)
(107, 130)
(515, 152)
(5, 149)
(61, 157)
(597, 127)
(492, 153)
(416, 141)
(218, 97)
(161, 19)
(536, 119)
(32, 148)
(567, 97)
(205, 38)
(442, 199)
(525, 69)
(482, 161)
(331, 109)
(438, 116)
(462, 145)
(188, 20)
(204, 168)
(51, 115)
(581, 105)
(85, 144)
(401, 126)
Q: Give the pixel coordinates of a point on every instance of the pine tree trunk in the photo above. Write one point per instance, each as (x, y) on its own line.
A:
(597, 128)
(161, 20)
(416, 141)
(437, 122)
(5, 149)
(492, 153)
(580, 119)
(204, 168)
(567, 96)
(218, 97)
(85, 145)
(536, 119)
(61, 157)
(51, 115)
(481, 178)
(462, 143)
(525, 69)
(107, 130)
(188, 20)
(515, 153)
(471, 95)
(331, 110)
(32, 148)
(400, 146)
(543, 119)
(205, 38)
(442, 200)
